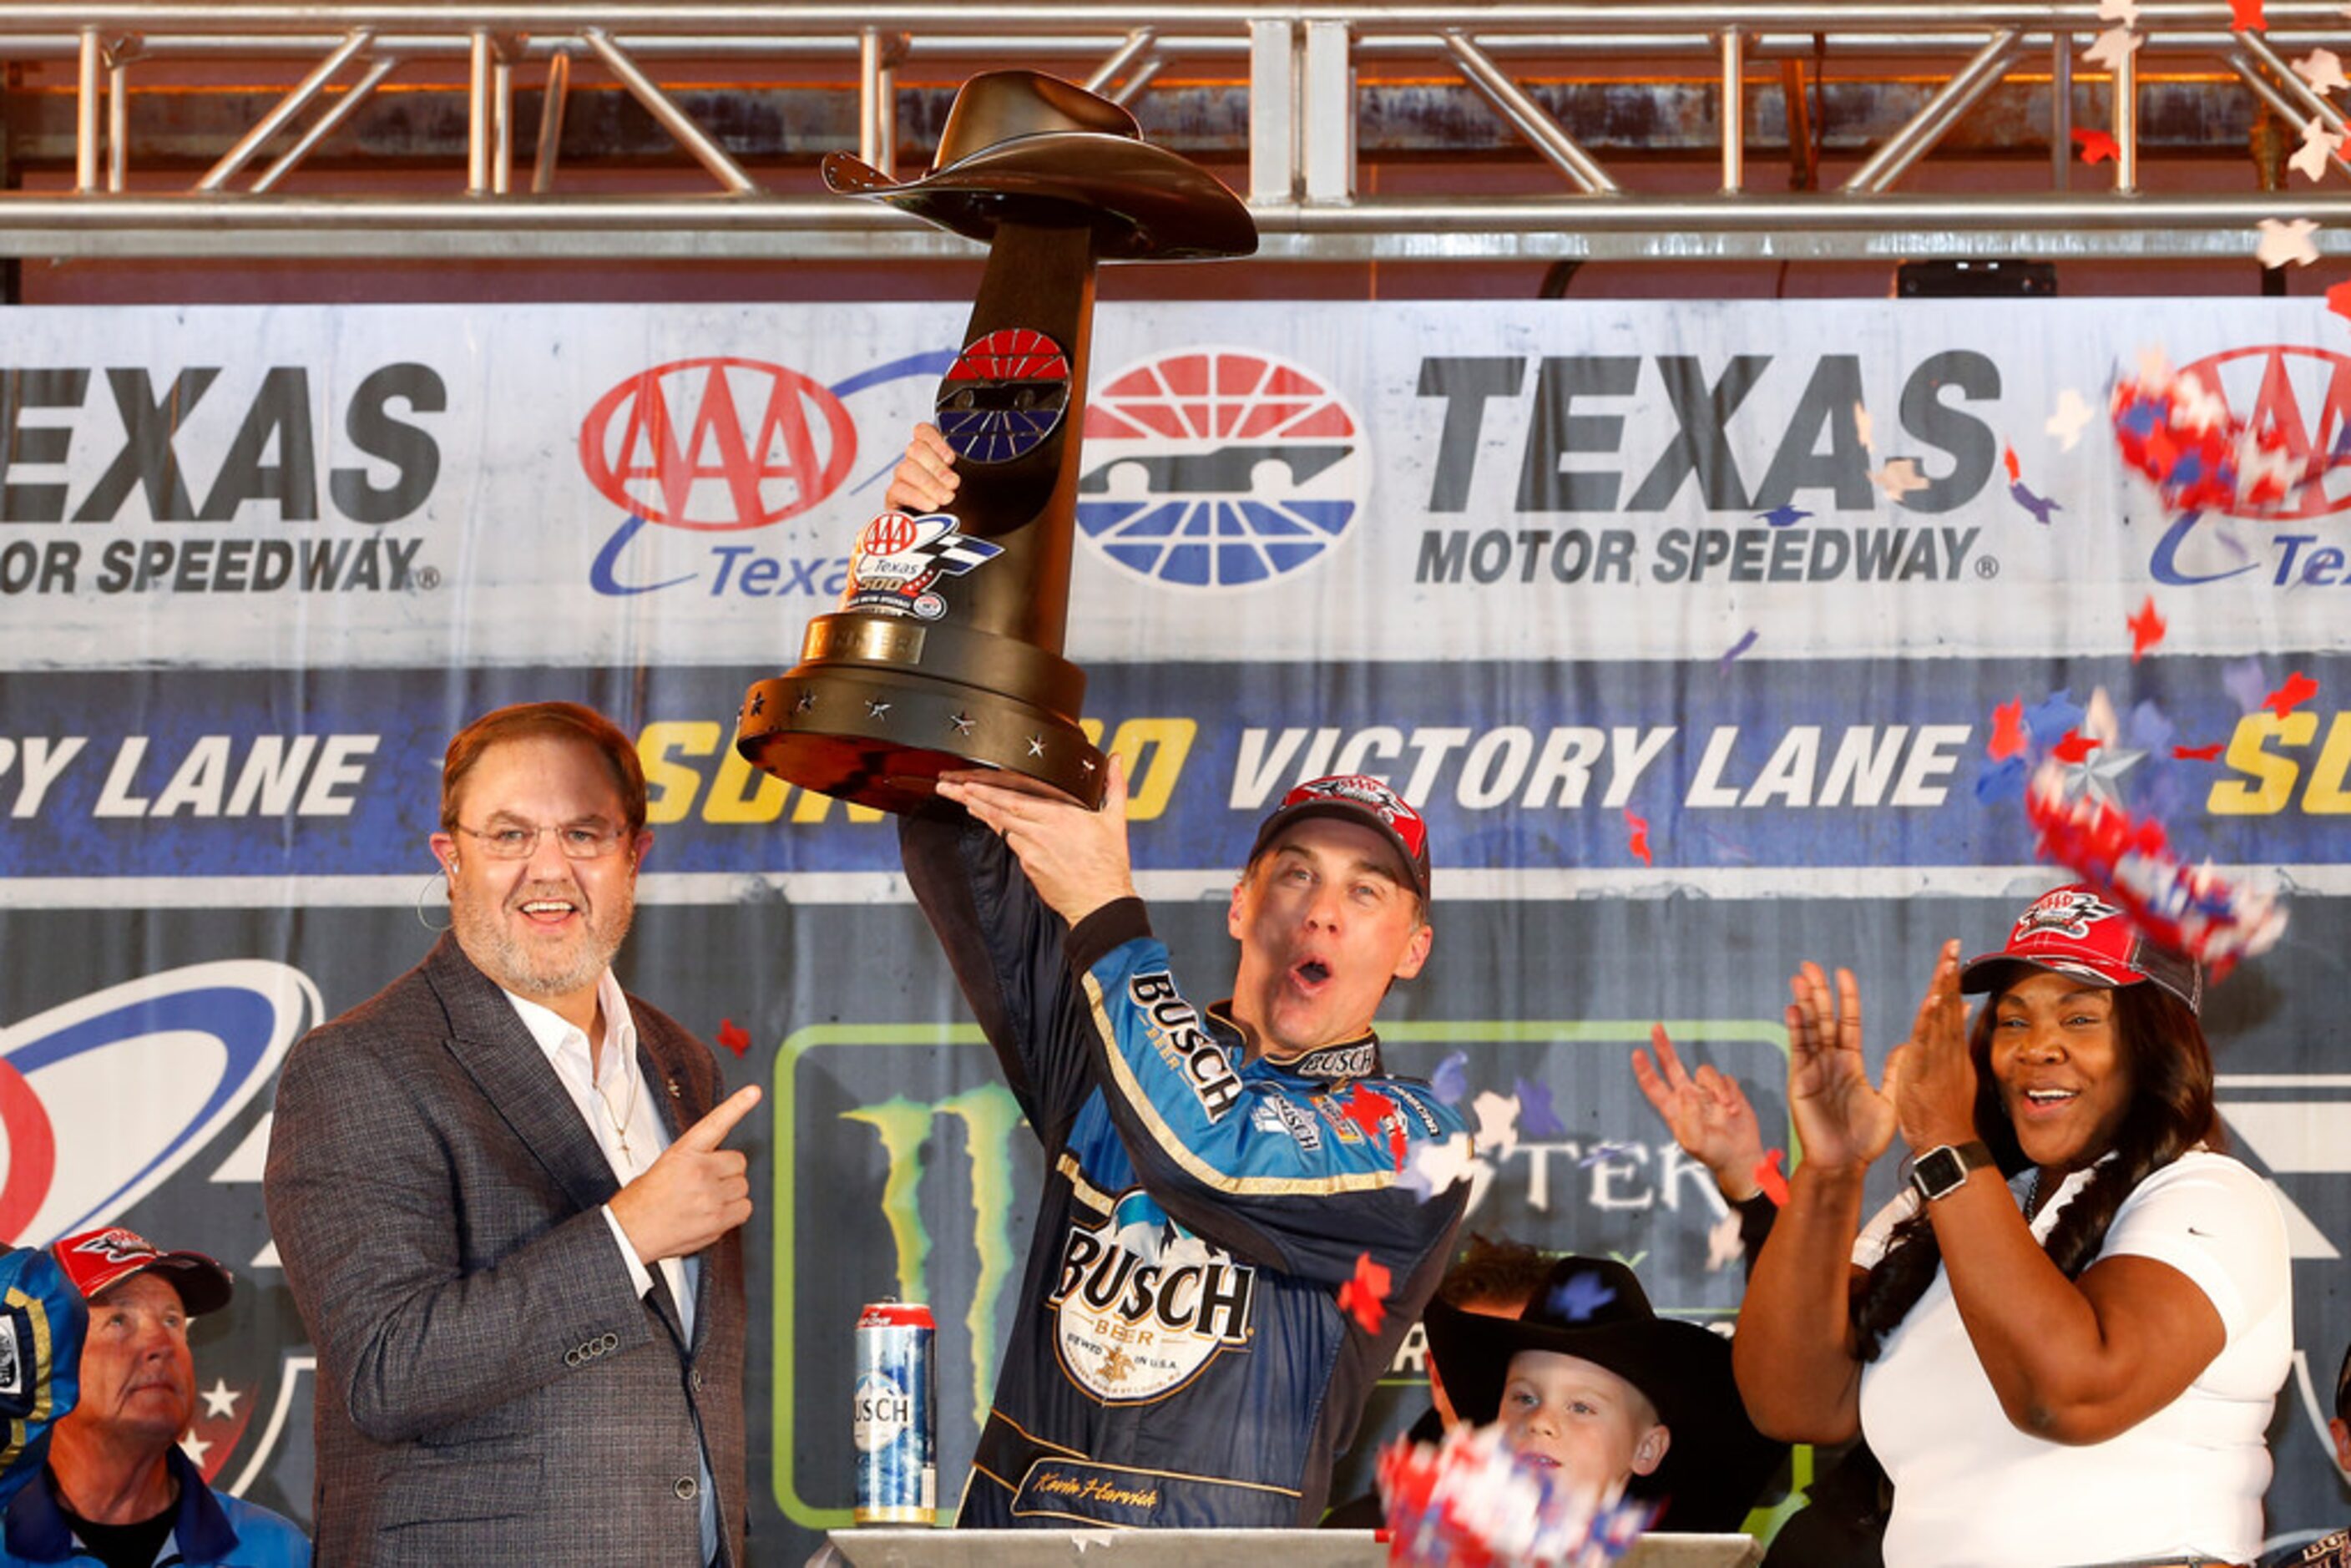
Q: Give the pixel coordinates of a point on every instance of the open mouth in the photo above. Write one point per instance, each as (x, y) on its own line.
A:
(548, 911)
(2049, 1099)
(1312, 971)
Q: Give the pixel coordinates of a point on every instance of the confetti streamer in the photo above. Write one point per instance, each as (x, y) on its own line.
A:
(1364, 1297)
(2128, 859)
(1771, 1178)
(2146, 629)
(2298, 689)
(2098, 146)
(2008, 736)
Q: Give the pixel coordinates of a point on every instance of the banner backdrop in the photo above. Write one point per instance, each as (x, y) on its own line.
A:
(1690, 625)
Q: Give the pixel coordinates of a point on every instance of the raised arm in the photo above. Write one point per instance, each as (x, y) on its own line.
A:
(1709, 1117)
(924, 479)
(1707, 1112)
(2073, 1361)
(1279, 1184)
(1794, 1353)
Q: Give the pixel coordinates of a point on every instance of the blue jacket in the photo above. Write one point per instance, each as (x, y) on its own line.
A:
(1179, 1356)
(213, 1529)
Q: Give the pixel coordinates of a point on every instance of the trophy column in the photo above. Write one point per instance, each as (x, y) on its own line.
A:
(945, 650)
(928, 668)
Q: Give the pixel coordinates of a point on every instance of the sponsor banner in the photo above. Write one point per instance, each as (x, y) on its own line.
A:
(415, 486)
(1535, 768)
(889, 1160)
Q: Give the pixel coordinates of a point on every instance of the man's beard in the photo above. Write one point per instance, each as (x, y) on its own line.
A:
(537, 970)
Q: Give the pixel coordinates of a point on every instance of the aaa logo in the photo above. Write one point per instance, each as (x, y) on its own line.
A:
(712, 444)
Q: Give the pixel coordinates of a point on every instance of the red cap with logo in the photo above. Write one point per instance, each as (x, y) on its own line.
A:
(2075, 932)
(97, 1260)
(1355, 798)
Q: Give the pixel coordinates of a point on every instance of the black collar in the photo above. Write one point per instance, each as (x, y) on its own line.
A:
(36, 1529)
(1337, 1063)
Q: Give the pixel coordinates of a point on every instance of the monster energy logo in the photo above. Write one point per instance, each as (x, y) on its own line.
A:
(990, 1116)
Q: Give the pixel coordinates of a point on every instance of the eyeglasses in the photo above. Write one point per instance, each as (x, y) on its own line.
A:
(579, 840)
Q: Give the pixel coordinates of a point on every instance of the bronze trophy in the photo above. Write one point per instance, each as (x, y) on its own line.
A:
(946, 650)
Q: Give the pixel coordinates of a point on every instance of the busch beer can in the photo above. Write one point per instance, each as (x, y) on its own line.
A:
(892, 1416)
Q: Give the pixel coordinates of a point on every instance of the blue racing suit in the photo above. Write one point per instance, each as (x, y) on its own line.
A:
(1180, 1356)
(209, 1529)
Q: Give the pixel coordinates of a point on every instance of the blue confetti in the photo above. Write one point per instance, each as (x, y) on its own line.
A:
(2051, 720)
(1582, 1296)
(1739, 647)
(2161, 795)
(1784, 517)
(2039, 506)
(1601, 1152)
(2248, 682)
(1536, 1117)
(2149, 730)
(1450, 1081)
(2004, 782)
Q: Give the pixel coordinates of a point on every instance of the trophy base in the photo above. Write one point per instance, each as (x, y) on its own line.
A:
(881, 737)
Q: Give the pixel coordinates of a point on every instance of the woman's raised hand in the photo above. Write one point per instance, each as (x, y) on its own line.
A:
(1931, 1079)
(1839, 1115)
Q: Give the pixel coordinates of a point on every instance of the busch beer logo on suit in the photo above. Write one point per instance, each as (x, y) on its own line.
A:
(1142, 1305)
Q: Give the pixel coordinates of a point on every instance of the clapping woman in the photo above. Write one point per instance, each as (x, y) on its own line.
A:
(2065, 1337)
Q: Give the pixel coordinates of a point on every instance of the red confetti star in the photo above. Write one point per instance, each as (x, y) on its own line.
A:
(1363, 1297)
(734, 1036)
(1636, 830)
(2075, 746)
(1770, 1178)
(2338, 301)
(2097, 147)
(2015, 473)
(2146, 629)
(2007, 731)
(1371, 1109)
(2198, 753)
(2298, 689)
(2245, 16)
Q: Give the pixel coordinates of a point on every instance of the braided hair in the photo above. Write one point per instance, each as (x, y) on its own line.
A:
(2170, 1111)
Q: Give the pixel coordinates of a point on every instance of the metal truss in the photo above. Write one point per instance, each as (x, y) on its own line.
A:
(1294, 80)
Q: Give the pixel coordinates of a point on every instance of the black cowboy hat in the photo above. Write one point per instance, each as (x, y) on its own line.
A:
(1594, 1308)
(1024, 145)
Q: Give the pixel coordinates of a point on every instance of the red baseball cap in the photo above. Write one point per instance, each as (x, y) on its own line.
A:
(2074, 931)
(98, 1260)
(1355, 798)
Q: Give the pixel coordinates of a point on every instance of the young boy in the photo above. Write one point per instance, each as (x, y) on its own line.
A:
(1590, 1380)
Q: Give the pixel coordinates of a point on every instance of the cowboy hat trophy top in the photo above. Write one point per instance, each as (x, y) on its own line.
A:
(946, 648)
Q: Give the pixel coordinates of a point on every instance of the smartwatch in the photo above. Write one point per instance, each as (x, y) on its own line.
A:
(1943, 1169)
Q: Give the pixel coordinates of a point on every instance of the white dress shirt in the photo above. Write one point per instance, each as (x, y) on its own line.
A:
(619, 1106)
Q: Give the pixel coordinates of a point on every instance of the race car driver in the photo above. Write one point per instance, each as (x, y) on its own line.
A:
(1218, 1181)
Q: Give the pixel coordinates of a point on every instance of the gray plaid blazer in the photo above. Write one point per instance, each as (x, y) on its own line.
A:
(491, 1389)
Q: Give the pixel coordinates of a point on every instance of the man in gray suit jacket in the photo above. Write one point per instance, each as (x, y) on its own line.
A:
(499, 1196)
